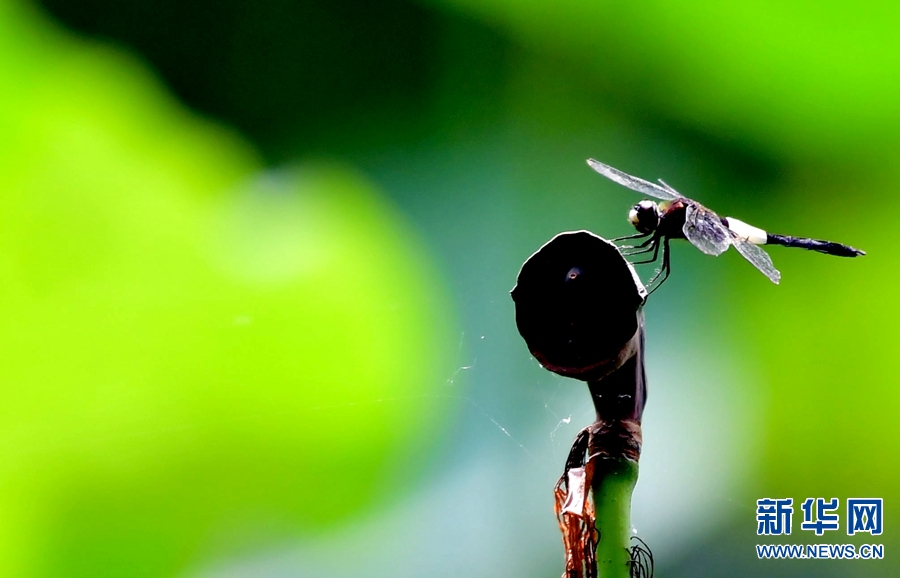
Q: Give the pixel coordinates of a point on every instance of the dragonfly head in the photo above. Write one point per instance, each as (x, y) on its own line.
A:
(644, 216)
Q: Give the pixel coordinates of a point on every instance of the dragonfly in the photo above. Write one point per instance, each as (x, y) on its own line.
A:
(679, 217)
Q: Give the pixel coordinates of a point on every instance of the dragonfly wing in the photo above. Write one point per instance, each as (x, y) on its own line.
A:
(759, 258)
(706, 231)
(633, 183)
(668, 188)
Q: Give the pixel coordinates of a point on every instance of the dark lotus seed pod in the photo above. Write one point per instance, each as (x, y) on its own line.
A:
(577, 301)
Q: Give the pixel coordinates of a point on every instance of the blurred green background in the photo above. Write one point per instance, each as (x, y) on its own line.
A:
(255, 260)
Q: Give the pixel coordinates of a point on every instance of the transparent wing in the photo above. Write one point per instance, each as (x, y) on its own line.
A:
(706, 231)
(633, 183)
(759, 258)
(668, 188)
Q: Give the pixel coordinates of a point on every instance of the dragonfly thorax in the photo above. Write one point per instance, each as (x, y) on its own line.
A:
(644, 216)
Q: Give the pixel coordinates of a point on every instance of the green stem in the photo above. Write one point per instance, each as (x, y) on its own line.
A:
(613, 483)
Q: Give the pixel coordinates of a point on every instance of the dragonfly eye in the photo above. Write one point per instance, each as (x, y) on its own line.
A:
(644, 216)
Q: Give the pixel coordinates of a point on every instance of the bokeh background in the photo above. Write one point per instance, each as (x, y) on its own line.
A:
(255, 260)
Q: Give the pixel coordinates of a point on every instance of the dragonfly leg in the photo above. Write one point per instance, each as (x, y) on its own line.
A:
(639, 250)
(642, 245)
(625, 238)
(664, 270)
(654, 246)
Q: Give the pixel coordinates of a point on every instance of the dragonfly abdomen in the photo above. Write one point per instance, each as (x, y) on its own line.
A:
(827, 247)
